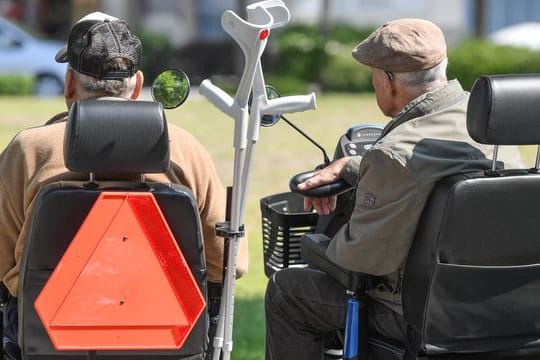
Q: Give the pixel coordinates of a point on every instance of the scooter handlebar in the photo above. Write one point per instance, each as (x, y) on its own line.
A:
(334, 188)
(217, 96)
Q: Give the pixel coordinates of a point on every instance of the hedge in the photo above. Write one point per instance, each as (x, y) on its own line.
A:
(303, 56)
(16, 84)
(473, 58)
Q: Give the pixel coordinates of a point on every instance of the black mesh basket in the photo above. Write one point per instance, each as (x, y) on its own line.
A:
(284, 222)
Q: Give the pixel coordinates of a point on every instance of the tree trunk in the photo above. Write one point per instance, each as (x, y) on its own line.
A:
(480, 18)
(324, 18)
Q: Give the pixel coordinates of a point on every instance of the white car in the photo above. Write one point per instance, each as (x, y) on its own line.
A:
(22, 53)
(525, 34)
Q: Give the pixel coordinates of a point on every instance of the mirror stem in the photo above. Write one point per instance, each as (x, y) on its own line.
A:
(325, 156)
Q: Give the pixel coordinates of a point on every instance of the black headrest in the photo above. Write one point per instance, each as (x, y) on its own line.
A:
(505, 110)
(116, 136)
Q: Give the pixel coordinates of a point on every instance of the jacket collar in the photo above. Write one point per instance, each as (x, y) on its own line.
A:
(58, 118)
(427, 103)
(64, 115)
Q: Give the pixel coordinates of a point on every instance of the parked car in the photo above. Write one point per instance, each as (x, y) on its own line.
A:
(23, 53)
(525, 34)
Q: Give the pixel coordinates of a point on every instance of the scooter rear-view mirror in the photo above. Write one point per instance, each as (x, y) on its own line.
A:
(271, 119)
(171, 88)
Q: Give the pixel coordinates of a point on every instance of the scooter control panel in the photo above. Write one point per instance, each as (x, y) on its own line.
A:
(357, 140)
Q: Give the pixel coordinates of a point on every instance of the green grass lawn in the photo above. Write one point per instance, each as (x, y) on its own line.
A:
(280, 153)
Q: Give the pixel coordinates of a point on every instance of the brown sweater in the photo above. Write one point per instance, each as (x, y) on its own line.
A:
(35, 157)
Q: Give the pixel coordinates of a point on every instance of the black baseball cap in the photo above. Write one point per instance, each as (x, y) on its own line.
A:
(95, 40)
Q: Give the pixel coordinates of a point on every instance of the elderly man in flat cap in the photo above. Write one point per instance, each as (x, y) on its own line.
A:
(393, 181)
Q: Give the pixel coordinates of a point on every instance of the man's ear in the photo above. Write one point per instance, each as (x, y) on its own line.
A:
(70, 89)
(389, 81)
(139, 78)
(391, 84)
(393, 87)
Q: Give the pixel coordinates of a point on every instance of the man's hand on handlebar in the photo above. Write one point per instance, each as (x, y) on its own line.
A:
(330, 174)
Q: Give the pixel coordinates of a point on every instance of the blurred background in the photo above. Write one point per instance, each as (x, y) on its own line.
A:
(312, 53)
(484, 37)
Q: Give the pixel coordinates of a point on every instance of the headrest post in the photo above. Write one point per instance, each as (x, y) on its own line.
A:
(92, 177)
(494, 162)
(143, 178)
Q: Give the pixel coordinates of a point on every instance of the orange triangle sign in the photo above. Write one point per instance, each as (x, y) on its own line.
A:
(123, 283)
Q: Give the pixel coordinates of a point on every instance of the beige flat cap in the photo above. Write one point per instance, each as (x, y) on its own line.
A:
(403, 45)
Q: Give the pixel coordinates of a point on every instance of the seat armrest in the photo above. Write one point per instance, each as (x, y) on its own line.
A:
(314, 254)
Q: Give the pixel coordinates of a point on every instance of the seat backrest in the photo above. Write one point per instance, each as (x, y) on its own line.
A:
(109, 139)
(472, 278)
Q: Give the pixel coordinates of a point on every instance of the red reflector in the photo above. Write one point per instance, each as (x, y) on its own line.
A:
(264, 34)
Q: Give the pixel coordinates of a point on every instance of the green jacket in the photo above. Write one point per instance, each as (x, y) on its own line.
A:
(425, 142)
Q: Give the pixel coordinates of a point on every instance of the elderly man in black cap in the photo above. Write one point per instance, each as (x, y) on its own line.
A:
(425, 140)
(103, 58)
(101, 48)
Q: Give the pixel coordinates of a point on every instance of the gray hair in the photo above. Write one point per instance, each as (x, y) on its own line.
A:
(419, 82)
(116, 88)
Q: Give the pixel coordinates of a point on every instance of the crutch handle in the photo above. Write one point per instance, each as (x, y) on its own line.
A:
(217, 97)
